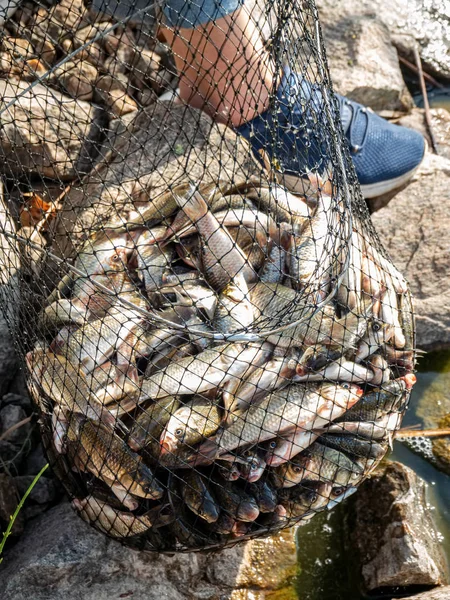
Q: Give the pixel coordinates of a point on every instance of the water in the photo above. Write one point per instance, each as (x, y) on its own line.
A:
(326, 571)
(437, 98)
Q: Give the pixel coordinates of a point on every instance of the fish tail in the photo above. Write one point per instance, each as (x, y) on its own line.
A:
(193, 205)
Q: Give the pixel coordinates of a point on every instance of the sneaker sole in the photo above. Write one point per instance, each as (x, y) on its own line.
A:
(374, 190)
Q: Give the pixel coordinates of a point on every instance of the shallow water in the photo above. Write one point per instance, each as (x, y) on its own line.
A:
(436, 97)
(325, 567)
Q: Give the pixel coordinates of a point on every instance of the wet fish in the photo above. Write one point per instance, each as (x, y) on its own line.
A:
(234, 311)
(210, 369)
(377, 403)
(106, 456)
(221, 259)
(198, 498)
(310, 495)
(265, 496)
(150, 423)
(378, 333)
(66, 385)
(380, 368)
(237, 503)
(308, 406)
(318, 462)
(152, 259)
(117, 523)
(282, 449)
(354, 446)
(190, 424)
(275, 268)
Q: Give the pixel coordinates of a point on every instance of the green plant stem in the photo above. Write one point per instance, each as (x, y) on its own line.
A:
(19, 506)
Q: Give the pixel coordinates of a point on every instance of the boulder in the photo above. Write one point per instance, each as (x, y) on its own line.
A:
(11, 415)
(394, 538)
(415, 229)
(440, 120)
(60, 556)
(409, 22)
(363, 62)
(439, 593)
(46, 133)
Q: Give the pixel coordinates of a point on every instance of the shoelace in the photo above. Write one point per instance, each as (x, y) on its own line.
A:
(357, 110)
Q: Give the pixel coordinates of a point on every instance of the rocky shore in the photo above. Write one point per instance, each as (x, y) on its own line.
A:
(57, 556)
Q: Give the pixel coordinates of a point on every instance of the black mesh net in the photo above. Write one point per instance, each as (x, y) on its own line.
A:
(214, 338)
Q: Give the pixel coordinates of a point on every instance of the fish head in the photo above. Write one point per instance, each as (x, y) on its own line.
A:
(144, 483)
(343, 395)
(230, 471)
(276, 451)
(35, 361)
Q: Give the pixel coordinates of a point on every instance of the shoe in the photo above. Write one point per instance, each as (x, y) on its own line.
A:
(385, 155)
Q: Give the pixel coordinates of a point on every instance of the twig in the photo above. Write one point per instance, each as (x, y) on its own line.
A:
(14, 427)
(425, 99)
(426, 76)
(409, 433)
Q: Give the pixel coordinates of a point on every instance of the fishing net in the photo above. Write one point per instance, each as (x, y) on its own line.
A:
(216, 343)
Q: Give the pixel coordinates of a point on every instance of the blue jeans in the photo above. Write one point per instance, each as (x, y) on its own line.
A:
(177, 13)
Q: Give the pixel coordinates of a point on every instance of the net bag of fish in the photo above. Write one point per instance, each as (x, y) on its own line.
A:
(215, 341)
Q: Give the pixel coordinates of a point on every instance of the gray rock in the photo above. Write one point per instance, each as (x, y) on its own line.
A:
(35, 461)
(17, 399)
(440, 593)
(415, 228)
(9, 498)
(364, 63)
(440, 119)
(395, 538)
(43, 492)
(57, 134)
(10, 415)
(409, 21)
(10, 455)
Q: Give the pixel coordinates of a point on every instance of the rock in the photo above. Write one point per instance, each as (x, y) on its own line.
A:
(60, 556)
(57, 134)
(35, 461)
(17, 399)
(395, 538)
(11, 415)
(440, 119)
(9, 499)
(409, 21)
(77, 78)
(440, 593)
(11, 458)
(364, 63)
(43, 492)
(441, 447)
(415, 229)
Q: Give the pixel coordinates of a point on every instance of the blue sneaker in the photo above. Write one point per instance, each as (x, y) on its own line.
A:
(385, 155)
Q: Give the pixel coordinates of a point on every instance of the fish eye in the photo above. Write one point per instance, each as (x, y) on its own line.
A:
(296, 469)
(314, 498)
(115, 257)
(346, 386)
(179, 432)
(376, 326)
(273, 445)
(337, 491)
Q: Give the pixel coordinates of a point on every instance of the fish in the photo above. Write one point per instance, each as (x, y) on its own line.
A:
(350, 293)
(265, 495)
(190, 424)
(210, 369)
(117, 523)
(275, 268)
(380, 368)
(234, 311)
(105, 455)
(310, 495)
(379, 430)
(318, 462)
(198, 498)
(377, 403)
(391, 315)
(354, 446)
(283, 448)
(66, 385)
(96, 341)
(300, 405)
(273, 375)
(152, 259)
(149, 424)
(275, 306)
(236, 502)
(377, 334)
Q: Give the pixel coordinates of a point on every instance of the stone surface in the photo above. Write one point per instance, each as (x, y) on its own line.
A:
(395, 538)
(415, 228)
(43, 492)
(409, 21)
(9, 498)
(60, 556)
(441, 447)
(57, 134)
(364, 63)
(440, 120)
(10, 415)
(439, 593)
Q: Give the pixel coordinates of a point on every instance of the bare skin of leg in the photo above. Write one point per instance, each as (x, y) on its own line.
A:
(224, 68)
